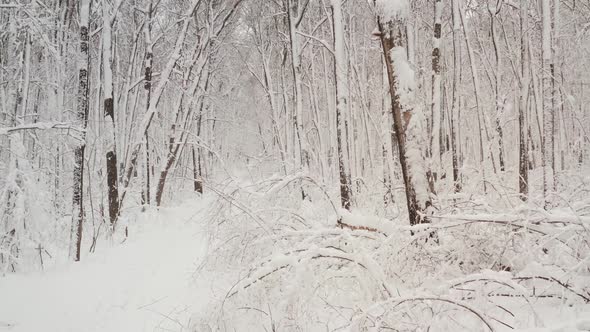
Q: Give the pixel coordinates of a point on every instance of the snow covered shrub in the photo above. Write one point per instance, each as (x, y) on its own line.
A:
(291, 266)
(26, 235)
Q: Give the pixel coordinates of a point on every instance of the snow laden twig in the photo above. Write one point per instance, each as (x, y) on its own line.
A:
(40, 126)
(285, 260)
(564, 285)
(300, 176)
(234, 202)
(392, 303)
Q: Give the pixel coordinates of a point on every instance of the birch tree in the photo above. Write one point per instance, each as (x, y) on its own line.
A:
(435, 110)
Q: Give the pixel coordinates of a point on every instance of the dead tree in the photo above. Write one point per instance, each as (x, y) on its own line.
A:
(392, 27)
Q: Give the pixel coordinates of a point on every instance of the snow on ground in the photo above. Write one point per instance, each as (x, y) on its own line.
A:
(147, 283)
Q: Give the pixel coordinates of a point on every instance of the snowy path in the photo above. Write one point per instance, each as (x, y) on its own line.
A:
(145, 284)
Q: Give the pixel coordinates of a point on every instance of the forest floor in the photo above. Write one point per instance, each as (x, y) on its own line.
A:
(147, 283)
(178, 265)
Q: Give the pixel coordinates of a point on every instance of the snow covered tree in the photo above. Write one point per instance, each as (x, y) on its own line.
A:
(407, 116)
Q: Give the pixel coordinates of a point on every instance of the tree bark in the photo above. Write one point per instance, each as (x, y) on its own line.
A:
(435, 107)
(82, 119)
(109, 114)
(341, 69)
(498, 75)
(548, 112)
(294, 17)
(405, 122)
(149, 55)
(523, 151)
(455, 103)
(197, 180)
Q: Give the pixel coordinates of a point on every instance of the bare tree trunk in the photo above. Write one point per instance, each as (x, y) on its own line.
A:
(386, 129)
(155, 98)
(149, 55)
(176, 146)
(198, 182)
(268, 84)
(476, 89)
(197, 168)
(109, 113)
(82, 119)
(555, 104)
(548, 112)
(523, 172)
(405, 121)
(341, 69)
(164, 77)
(435, 109)
(493, 20)
(296, 12)
(455, 103)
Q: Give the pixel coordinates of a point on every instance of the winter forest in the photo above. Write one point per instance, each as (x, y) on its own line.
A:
(295, 165)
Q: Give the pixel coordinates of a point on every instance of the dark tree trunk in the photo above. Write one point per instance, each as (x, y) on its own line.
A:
(109, 114)
(148, 94)
(198, 182)
(197, 167)
(112, 171)
(82, 119)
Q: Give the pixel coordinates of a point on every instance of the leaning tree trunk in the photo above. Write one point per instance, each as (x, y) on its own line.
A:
(406, 119)
(176, 146)
(165, 74)
(341, 64)
(82, 119)
(109, 113)
(155, 99)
